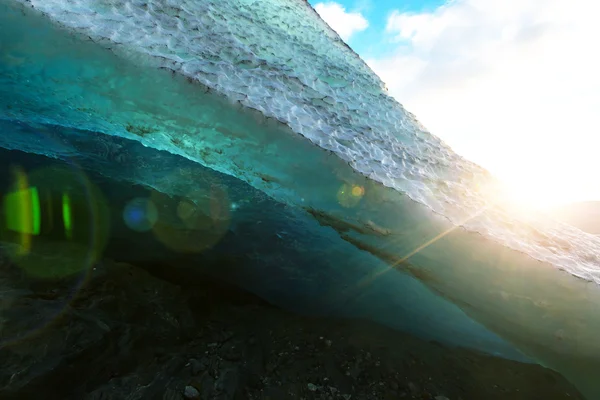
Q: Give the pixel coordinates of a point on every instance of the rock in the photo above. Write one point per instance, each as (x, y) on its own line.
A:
(198, 366)
(228, 383)
(171, 394)
(274, 393)
(441, 398)
(191, 392)
(175, 365)
(232, 353)
(224, 336)
(254, 381)
(206, 384)
(312, 388)
(413, 388)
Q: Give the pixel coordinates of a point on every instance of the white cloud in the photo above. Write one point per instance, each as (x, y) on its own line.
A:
(344, 23)
(363, 6)
(513, 85)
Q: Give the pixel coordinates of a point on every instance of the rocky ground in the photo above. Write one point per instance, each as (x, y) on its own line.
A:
(128, 334)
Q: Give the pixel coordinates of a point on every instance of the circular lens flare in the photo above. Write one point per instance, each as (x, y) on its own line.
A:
(349, 195)
(53, 226)
(195, 222)
(140, 215)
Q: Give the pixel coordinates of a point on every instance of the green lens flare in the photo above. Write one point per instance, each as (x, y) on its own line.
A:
(66, 212)
(23, 211)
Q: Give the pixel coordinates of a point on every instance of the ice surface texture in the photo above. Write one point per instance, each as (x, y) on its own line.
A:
(183, 77)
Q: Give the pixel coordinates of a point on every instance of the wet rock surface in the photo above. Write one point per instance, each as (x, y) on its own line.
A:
(127, 334)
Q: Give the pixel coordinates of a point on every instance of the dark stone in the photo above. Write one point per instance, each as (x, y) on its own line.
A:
(228, 382)
(254, 381)
(191, 393)
(414, 390)
(232, 352)
(198, 366)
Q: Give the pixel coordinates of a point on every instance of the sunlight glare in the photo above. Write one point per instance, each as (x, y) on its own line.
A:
(538, 194)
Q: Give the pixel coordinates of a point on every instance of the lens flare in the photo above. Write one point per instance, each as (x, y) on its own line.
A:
(350, 195)
(53, 227)
(30, 220)
(22, 211)
(196, 221)
(140, 214)
(66, 212)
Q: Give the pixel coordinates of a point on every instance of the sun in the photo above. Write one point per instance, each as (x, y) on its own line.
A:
(538, 193)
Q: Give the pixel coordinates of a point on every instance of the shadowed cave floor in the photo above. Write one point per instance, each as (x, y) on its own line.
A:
(128, 334)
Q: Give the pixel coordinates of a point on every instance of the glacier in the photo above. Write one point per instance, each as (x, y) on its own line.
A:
(350, 206)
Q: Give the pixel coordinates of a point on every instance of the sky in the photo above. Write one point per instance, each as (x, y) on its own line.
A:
(513, 85)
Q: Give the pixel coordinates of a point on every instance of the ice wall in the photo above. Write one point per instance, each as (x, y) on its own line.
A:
(280, 58)
(297, 264)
